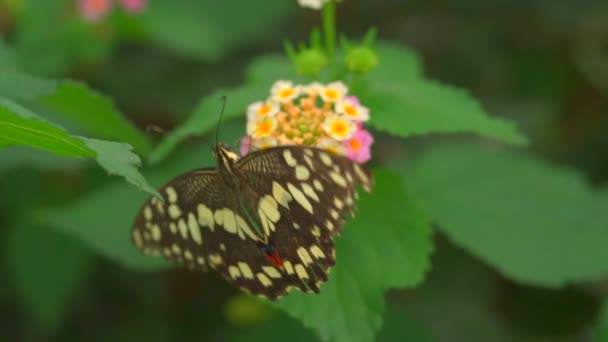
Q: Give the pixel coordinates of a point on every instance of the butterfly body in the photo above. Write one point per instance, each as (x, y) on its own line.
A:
(265, 222)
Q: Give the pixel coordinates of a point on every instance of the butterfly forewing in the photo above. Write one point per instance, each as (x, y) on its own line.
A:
(318, 187)
(292, 199)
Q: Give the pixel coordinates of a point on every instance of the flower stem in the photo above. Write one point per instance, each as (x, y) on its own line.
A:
(329, 28)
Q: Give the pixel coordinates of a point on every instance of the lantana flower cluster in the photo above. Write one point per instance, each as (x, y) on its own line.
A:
(318, 115)
(94, 10)
(314, 4)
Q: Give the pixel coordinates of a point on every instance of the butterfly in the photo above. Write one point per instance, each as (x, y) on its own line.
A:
(265, 221)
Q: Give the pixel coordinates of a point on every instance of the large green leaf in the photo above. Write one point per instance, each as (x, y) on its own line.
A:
(396, 64)
(75, 104)
(421, 107)
(387, 245)
(95, 114)
(536, 223)
(206, 115)
(19, 126)
(46, 268)
(118, 159)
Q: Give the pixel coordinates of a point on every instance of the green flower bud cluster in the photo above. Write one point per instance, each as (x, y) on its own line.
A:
(311, 60)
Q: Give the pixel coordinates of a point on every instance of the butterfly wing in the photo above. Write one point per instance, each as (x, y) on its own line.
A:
(321, 185)
(201, 224)
(293, 198)
(182, 227)
(303, 196)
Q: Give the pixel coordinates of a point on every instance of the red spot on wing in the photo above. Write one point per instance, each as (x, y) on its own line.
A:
(275, 259)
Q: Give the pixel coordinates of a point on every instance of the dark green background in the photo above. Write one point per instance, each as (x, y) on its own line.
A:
(542, 64)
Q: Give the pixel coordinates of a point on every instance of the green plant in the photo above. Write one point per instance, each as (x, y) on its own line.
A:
(514, 212)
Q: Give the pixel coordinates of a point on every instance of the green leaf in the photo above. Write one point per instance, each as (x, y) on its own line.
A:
(423, 107)
(536, 223)
(19, 126)
(397, 64)
(207, 113)
(118, 159)
(20, 86)
(270, 68)
(208, 30)
(47, 269)
(75, 103)
(387, 245)
(95, 113)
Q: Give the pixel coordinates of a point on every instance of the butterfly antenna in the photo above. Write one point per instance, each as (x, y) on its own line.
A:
(153, 129)
(217, 133)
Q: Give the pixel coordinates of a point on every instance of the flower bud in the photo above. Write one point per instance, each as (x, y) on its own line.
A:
(309, 62)
(361, 59)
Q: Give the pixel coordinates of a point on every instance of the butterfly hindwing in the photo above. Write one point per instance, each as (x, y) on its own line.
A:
(182, 227)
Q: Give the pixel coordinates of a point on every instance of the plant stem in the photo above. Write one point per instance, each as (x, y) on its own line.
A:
(329, 28)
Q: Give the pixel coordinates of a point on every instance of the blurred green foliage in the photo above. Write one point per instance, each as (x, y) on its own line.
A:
(42, 291)
(485, 214)
(520, 249)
